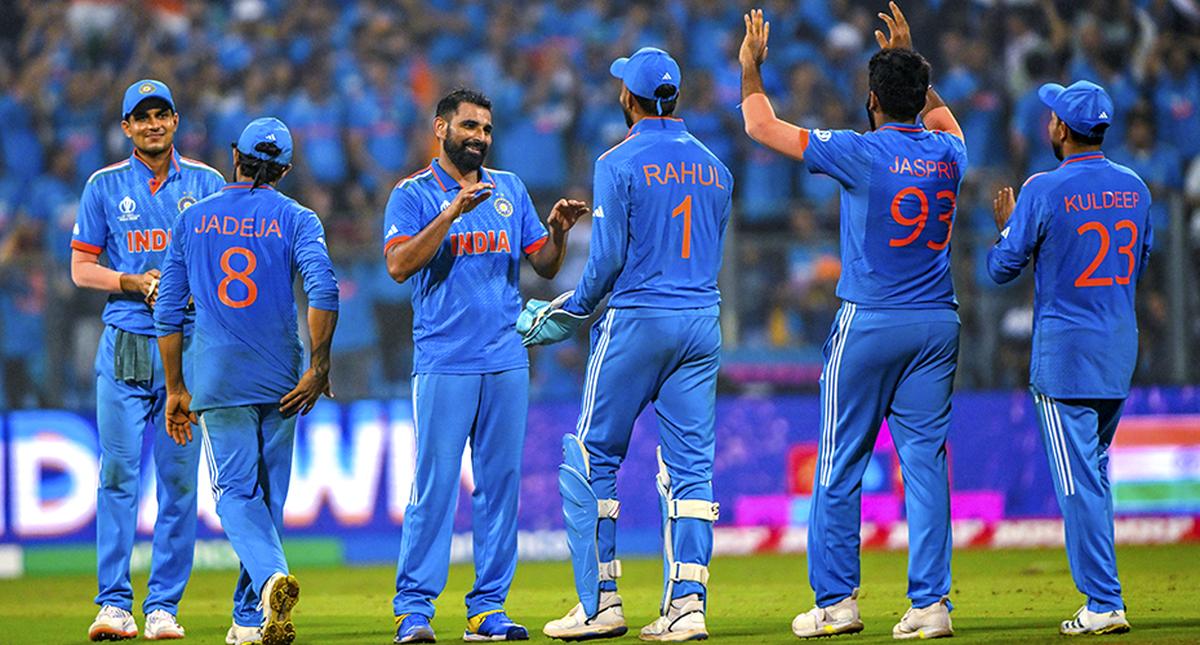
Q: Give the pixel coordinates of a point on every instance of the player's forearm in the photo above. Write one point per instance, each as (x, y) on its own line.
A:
(549, 259)
(88, 273)
(1003, 266)
(764, 127)
(751, 80)
(937, 115)
(170, 347)
(408, 256)
(321, 324)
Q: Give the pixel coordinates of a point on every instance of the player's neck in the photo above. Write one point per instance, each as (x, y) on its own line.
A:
(159, 164)
(1071, 149)
(463, 178)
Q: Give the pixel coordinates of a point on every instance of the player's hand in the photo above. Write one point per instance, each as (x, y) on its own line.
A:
(145, 284)
(469, 197)
(754, 45)
(180, 416)
(304, 396)
(1002, 206)
(900, 35)
(152, 287)
(565, 213)
(544, 323)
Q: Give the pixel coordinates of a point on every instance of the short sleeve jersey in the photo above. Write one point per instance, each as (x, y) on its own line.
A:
(899, 186)
(126, 214)
(466, 299)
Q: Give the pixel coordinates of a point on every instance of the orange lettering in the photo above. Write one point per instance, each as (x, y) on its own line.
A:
(646, 169)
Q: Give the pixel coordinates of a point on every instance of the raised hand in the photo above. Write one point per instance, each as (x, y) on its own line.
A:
(754, 45)
(900, 35)
(565, 213)
(1002, 207)
(471, 196)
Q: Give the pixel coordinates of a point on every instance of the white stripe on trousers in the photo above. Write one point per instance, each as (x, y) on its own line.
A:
(412, 490)
(1058, 444)
(593, 377)
(832, 372)
(212, 461)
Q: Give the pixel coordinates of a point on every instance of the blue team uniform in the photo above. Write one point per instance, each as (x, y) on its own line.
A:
(127, 215)
(237, 254)
(892, 350)
(470, 382)
(1088, 225)
(662, 203)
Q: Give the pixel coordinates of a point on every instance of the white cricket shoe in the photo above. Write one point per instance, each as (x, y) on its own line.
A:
(684, 622)
(279, 596)
(838, 618)
(575, 626)
(927, 622)
(161, 625)
(239, 635)
(113, 624)
(1087, 621)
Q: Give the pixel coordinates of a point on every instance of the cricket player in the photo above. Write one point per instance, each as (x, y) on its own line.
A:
(458, 230)
(127, 212)
(893, 348)
(662, 204)
(237, 254)
(1088, 224)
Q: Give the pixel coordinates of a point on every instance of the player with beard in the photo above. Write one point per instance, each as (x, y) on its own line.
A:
(458, 231)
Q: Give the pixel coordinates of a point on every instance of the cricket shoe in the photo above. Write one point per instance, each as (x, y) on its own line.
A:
(609, 622)
(927, 622)
(280, 595)
(162, 626)
(239, 635)
(1087, 621)
(684, 621)
(113, 624)
(838, 618)
(494, 625)
(413, 628)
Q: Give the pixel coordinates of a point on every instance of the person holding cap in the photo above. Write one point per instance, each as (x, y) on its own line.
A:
(662, 203)
(1087, 223)
(126, 213)
(236, 254)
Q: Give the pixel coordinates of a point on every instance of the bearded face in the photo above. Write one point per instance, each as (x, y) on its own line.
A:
(468, 135)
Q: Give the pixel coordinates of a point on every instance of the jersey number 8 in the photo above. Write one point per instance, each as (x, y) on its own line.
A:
(233, 275)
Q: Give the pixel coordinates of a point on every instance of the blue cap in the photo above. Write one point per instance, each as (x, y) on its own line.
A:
(1084, 106)
(643, 72)
(146, 88)
(267, 129)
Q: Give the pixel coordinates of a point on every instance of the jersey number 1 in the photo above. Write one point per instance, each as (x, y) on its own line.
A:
(233, 275)
(685, 208)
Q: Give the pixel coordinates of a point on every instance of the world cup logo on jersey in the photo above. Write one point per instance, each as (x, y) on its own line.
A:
(127, 207)
(503, 207)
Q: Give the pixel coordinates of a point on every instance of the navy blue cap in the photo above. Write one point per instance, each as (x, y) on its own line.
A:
(267, 129)
(645, 70)
(146, 88)
(1084, 106)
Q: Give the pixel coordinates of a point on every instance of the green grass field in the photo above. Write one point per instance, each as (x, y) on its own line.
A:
(1001, 597)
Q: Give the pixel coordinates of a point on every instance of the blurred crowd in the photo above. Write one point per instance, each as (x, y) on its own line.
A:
(356, 81)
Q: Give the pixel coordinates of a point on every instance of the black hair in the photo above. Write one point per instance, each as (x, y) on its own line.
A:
(263, 172)
(1095, 138)
(449, 103)
(145, 105)
(666, 95)
(899, 78)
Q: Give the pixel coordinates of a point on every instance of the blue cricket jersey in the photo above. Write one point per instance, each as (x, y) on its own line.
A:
(1087, 223)
(128, 215)
(237, 254)
(466, 298)
(899, 186)
(661, 204)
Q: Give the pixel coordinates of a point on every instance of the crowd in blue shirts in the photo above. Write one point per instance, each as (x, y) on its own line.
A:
(356, 82)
